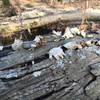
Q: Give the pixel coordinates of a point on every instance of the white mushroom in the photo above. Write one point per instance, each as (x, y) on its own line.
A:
(17, 44)
(57, 53)
(83, 34)
(1, 48)
(68, 33)
(75, 31)
(38, 39)
(56, 33)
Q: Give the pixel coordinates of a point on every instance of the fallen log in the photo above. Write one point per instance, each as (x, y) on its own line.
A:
(26, 56)
(54, 83)
(9, 28)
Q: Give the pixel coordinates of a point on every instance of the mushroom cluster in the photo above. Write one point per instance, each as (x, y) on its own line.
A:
(58, 52)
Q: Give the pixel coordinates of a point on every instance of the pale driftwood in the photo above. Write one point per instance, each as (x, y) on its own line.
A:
(9, 28)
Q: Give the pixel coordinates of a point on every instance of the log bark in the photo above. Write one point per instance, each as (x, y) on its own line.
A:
(71, 82)
(74, 77)
(28, 55)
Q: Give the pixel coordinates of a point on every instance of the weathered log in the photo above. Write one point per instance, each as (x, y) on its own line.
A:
(69, 82)
(70, 78)
(10, 27)
(27, 55)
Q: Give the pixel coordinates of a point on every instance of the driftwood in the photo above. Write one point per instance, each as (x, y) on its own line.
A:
(9, 28)
(72, 81)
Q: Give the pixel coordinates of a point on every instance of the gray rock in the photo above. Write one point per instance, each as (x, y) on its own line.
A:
(93, 89)
(95, 69)
(2, 86)
(14, 73)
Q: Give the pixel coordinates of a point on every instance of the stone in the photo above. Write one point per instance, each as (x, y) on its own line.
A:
(93, 89)
(95, 69)
(3, 87)
(60, 63)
